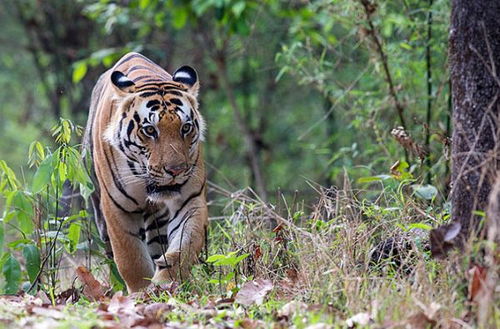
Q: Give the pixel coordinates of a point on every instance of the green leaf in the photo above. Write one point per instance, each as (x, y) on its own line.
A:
(79, 71)
(369, 179)
(32, 256)
(24, 212)
(422, 226)
(238, 8)
(2, 236)
(42, 175)
(215, 258)
(73, 236)
(12, 272)
(143, 4)
(426, 192)
(179, 18)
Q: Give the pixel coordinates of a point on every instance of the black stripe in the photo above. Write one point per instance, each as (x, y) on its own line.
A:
(183, 220)
(161, 93)
(176, 101)
(131, 166)
(161, 83)
(139, 67)
(140, 235)
(149, 94)
(125, 60)
(161, 239)
(130, 128)
(152, 103)
(116, 181)
(142, 77)
(192, 196)
(137, 211)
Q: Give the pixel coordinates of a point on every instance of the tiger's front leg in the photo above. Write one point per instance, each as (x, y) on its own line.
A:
(185, 245)
(130, 252)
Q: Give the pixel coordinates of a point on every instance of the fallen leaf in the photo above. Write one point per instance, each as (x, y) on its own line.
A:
(477, 282)
(120, 303)
(420, 321)
(253, 292)
(93, 289)
(157, 310)
(278, 228)
(290, 309)
(257, 252)
(251, 324)
(124, 308)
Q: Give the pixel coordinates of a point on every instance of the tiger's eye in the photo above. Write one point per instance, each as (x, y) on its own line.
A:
(186, 128)
(150, 131)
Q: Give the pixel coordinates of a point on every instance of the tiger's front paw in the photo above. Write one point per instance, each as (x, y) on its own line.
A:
(168, 269)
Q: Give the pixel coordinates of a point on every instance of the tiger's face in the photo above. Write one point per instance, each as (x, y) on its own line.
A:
(158, 128)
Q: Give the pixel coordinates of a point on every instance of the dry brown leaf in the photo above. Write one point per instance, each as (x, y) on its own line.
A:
(157, 310)
(253, 292)
(477, 282)
(92, 289)
(120, 303)
(290, 309)
(124, 308)
(420, 321)
(251, 324)
(257, 252)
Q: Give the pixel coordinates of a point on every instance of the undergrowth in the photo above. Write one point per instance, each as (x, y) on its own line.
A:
(349, 252)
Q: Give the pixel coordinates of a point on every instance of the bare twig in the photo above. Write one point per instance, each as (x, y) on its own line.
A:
(372, 32)
(429, 88)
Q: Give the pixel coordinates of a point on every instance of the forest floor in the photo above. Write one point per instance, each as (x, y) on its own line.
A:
(345, 264)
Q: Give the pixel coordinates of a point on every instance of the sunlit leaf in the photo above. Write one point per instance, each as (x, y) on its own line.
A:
(42, 175)
(79, 71)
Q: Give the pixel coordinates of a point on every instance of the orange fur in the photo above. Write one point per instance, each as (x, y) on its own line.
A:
(150, 182)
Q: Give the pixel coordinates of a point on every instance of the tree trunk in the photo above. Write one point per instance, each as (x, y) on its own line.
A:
(474, 48)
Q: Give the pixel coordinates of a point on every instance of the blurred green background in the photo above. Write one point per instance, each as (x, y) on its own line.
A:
(293, 91)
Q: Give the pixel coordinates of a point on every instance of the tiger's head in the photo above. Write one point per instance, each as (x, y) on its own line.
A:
(158, 128)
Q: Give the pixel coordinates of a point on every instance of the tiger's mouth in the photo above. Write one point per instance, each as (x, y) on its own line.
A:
(153, 188)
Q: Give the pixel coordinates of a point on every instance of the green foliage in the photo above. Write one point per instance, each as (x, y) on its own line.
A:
(230, 260)
(12, 272)
(30, 210)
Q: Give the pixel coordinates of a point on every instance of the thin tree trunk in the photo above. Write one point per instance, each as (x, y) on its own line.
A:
(252, 149)
(474, 46)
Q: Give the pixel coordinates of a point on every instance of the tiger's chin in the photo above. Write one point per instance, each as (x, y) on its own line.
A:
(158, 193)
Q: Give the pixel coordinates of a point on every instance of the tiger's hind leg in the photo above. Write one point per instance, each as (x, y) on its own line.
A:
(130, 253)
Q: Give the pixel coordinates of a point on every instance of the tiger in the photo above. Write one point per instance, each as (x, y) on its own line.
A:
(144, 139)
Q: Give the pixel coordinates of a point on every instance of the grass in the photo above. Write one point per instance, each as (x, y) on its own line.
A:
(326, 262)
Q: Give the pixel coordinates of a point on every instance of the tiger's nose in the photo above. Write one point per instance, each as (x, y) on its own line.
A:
(176, 170)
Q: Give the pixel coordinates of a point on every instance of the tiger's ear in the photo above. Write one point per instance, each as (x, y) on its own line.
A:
(187, 76)
(122, 82)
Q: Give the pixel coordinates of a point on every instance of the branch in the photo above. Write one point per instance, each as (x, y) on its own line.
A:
(369, 9)
(429, 88)
(250, 143)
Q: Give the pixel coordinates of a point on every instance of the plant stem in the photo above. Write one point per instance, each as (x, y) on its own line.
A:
(429, 90)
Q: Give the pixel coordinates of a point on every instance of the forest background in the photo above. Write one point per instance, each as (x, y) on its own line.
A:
(293, 91)
(328, 157)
